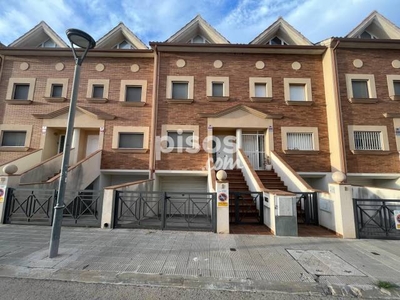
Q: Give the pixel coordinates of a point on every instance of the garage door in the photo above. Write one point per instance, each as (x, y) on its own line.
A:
(183, 184)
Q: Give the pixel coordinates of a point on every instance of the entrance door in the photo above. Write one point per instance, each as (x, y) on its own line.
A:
(92, 143)
(224, 149)
(61, 143)
(253, 146)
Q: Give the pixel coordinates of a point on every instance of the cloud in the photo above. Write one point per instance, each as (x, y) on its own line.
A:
(155, 20)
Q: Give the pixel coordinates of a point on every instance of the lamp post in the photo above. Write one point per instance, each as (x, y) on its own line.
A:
(86, 42)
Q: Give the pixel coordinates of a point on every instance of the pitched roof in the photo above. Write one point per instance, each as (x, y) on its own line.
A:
(117, 35)
(37, 35)
(284, 31)
(378, 26)
(197, 26)
(95, 113)
(245, 108)
(1, 45)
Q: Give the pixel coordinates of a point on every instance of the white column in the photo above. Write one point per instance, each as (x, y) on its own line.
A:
(222, 207)
(239, 140)
(342, 196)
(75, 144)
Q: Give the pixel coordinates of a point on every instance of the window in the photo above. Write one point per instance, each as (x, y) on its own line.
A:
(298, 91)
(56, 90)
(367, 139)
(218, 87)
(123, 45)
(131, 140)
(393, 82)
(13, 139)
(180, 139)
(198, 39)
(298, 140)
(48, 44)
(21, 92)
(366, 35)
(361, 88)
(277, 41)
(97, 91)
(133, 92)
(260, 89)
(180, 89)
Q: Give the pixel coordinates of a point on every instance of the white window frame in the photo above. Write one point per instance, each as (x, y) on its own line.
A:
(381, 129)
(312, 130)
(268, 88)
(130, 129)
(122, 95)
(370, 79)
(117, 46)
(185, 128)
(12, 82)
(287, 82)
(390, 82)
(209, 89)
(205, 41)
(190, 82)
(12, 127)
(283, 42)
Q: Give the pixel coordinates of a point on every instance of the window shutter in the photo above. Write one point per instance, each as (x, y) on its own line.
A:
(180, 90)
(131, 140)
(13, 138)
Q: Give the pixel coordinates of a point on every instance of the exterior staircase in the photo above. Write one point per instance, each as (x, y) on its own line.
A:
(247, 207)
(271, 180)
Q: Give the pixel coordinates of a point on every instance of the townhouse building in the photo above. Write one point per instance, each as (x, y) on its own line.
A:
(180, 109)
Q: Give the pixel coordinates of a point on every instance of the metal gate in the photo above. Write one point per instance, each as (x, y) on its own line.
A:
(246, 208)
(36, 207)
(164, 210)
(375, 218)
(307, 208)
(253, 146)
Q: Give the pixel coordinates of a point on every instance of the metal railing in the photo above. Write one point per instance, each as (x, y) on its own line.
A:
(36, 207)
(165, 210)
(375, 218)
(307, 208)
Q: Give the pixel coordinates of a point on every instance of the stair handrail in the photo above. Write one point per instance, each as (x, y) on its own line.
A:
(250, 175)
(56, 177)
(288, 175)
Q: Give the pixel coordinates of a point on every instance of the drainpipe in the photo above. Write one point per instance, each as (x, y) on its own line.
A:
(2, 61)
(156, 76)
(339, 104)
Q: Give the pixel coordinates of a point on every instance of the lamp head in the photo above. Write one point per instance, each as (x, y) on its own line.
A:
(80, 38)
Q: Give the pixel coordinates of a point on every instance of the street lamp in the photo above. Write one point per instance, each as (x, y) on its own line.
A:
(86, 42)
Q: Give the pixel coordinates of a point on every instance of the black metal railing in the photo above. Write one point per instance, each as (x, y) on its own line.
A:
(36, 206)
(307, 208)
(175, 210)
(246, 208)
(375, 218)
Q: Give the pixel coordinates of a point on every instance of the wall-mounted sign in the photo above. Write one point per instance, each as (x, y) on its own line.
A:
(222, 199)
(2, 193)
(396, 214)
(101, 129)
(44, 129)
(397, 131)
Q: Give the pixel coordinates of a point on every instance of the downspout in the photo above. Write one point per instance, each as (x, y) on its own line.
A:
(339, 108)
(2, 60)
(156, 72)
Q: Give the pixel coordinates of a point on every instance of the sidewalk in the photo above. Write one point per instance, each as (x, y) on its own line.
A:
(315, 266)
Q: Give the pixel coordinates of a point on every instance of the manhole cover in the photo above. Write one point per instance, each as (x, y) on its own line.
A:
(319, 262)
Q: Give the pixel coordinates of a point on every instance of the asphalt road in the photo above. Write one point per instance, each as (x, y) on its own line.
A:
(32, 289)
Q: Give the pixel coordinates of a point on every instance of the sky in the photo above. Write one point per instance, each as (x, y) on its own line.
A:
(240, 21)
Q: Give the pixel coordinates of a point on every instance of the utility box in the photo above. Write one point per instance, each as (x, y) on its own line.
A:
(284, 206)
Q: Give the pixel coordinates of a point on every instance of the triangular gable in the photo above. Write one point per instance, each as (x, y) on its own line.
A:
(376, 26)
(241, 107)
(94, 113)
(118, 35)
(198, 27)
(38, 35)
(284, 31)
(1, 45)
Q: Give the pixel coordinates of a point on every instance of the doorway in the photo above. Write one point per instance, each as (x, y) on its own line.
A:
(254, 148)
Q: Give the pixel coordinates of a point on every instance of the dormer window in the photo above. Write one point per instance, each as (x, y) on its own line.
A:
(48, 44)
(277, 41)
(367, 35)
(123, 45)
(198, 39)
